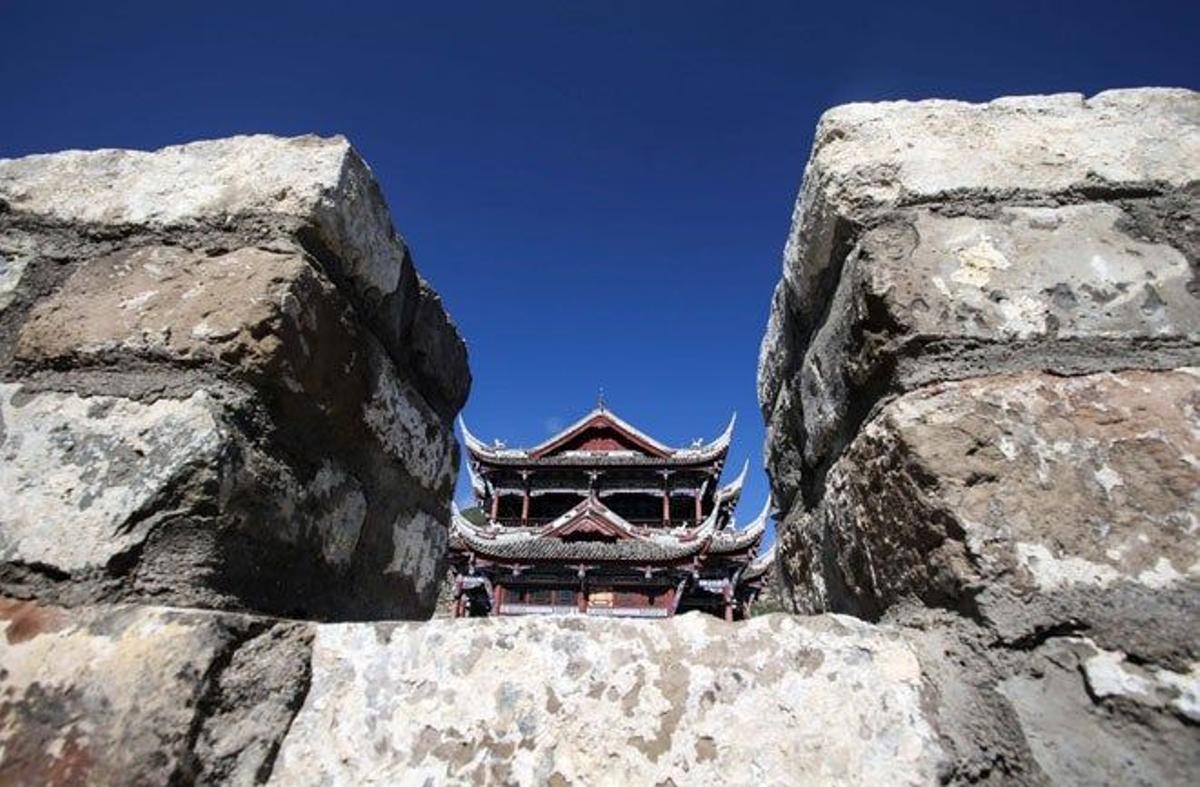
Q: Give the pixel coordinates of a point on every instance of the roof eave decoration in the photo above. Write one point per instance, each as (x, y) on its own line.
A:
(759, 565)
(733, 490)
(478, 486)
(463, 527)
(759, 524)
(701, 532)
(747, 537)
(714, 448)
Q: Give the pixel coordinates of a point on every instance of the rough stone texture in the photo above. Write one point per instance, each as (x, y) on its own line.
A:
(551, 701)
(150, 695)
(983, 418)
(925, 297)
(317, 189)
(223, 377)
(143, 695)
(990, 184)
(1058, 517)
(997, 495)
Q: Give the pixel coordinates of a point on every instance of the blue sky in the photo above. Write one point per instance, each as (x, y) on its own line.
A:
(600, 191)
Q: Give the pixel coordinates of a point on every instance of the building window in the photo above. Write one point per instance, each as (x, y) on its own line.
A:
(600, 598)
(631, 599)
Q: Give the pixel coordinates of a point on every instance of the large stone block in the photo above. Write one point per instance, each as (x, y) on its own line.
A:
(925, 298)
(225, 380)
(1028, 501)
(80, 477)
(247, 190)
(776, 700)
(144, 695)
(269, 315)
(868, 159)
(922, 229)
(171, 500)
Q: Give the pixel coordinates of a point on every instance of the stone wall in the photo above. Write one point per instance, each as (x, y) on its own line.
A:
(983, 406)
(147, 695)
(226, 405)
(222, 384)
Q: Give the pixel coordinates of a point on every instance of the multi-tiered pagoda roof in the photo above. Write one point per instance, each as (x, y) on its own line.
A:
(604, 519)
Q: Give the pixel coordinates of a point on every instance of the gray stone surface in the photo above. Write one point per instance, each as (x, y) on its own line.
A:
(1024, 500)
(160, 696)
(693, 700)
(217, 382)
(1071, 704)
(313, 189)
(80, 477)
(925, 298)
(149, 695)
(978, 378)
(143, 695)
(879, 174)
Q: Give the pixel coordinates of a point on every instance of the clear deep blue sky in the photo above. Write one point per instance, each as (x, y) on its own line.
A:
(600, 191)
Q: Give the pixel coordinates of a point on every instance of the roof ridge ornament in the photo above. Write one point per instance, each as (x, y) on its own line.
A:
(469, 437)
(733, 490)
(759, 565)
(759, 523)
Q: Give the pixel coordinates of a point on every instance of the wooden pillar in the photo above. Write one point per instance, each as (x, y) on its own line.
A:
(497, 599)
(525, 497)
(495, 504)
(583, 599)
(666, 497)
(458, 598)
(699, 497)
(728, 593)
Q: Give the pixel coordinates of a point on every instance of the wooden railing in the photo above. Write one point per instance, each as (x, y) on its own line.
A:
(538, 609)
(648, 523)
(627, 612)
(598, 612)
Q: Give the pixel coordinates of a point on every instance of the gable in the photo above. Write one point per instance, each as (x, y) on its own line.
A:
(598, 433)
(590, 521)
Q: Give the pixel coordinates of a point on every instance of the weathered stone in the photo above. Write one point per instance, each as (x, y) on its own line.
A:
(171, 500)
(225, 380)
(131, 695)
(271, 317)
(81, 477)
(871, 158)
(308, 189)
(983, 425)
(550, 701)
(154, 696)
(1092, 719)
(1026, 499)
(979, 178)
(926, 298)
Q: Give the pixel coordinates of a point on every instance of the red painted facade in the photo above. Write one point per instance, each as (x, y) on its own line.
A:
(604, 520)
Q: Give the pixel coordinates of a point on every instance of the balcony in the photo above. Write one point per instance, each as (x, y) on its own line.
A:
(594, 612)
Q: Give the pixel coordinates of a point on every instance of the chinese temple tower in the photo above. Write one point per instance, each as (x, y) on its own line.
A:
(604, 520)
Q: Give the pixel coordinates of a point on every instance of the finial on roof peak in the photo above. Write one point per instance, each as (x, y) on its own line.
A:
(600, 400)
